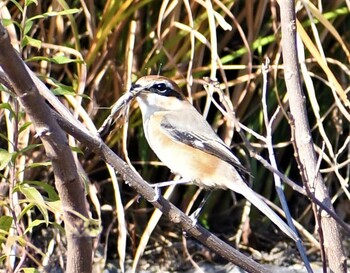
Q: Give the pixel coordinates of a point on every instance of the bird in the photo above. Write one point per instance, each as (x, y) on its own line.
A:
(185, 142)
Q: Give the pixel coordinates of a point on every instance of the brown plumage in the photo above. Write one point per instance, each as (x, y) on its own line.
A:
(185, 142)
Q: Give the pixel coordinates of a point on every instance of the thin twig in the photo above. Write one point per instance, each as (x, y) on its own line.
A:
(278, 184)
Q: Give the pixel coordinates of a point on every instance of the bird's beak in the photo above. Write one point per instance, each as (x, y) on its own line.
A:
(135, 90)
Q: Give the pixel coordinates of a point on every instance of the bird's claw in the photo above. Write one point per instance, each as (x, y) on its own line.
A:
(156, 194)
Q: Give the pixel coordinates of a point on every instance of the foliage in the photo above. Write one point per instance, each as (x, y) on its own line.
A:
(89, 53)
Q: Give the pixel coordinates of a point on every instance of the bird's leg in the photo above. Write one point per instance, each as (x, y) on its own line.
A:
(156, 186)
(171, 183)
(194, 216)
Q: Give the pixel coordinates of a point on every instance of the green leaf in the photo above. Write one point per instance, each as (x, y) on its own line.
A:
(63, 12)
(24, 126)
(27, 27)
(53, 13)
(5, 222)
(29, 2)
(76, 150)
(7, 22)
(4, 137)
(63, 90)
(50, 190)
(5, 105)
(5, 158)
(39, 164)
(8, 107)
(17, 5)
(30, 41)
(29, 148)
(59, 227)
(34, 224)
(36, 17)
(55, 207)
(58, 59)
(3, 258)
(61, 59)
(30, 270)
(35, 197)
(25, 209)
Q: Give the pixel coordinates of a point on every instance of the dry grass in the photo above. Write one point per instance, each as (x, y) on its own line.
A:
(90, 56)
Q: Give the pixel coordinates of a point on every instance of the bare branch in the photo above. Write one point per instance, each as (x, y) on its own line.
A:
(68, 183)
(308, 161)
(277, 180)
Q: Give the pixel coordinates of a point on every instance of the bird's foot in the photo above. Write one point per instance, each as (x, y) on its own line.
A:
(156, 194)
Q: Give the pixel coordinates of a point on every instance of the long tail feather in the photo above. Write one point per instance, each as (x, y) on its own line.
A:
(249, 194)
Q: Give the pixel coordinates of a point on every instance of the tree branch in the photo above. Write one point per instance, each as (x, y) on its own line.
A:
(308, 161)
(67, 180)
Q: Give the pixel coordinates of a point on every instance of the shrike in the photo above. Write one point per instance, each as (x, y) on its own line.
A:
(185, 142)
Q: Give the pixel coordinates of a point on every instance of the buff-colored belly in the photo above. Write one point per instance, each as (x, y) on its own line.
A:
(191, 163)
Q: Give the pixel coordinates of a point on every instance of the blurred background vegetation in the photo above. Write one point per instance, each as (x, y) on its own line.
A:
(89, 52)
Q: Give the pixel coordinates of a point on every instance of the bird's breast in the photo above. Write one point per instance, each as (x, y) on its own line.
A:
(187, 161)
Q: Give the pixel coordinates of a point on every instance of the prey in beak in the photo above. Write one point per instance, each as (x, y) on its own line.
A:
(120, 109)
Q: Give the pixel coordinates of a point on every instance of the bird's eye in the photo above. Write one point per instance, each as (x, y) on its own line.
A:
(160, 87)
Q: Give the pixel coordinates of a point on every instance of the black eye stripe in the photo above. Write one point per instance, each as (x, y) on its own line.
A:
(165, 90)
(161, 87)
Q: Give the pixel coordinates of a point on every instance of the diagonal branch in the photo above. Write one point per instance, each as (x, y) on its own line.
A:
(67, 180)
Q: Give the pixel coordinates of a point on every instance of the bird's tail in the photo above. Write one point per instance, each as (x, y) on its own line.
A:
(249, 194)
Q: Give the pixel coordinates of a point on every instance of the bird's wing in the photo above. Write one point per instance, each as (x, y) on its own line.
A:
(201, 136)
